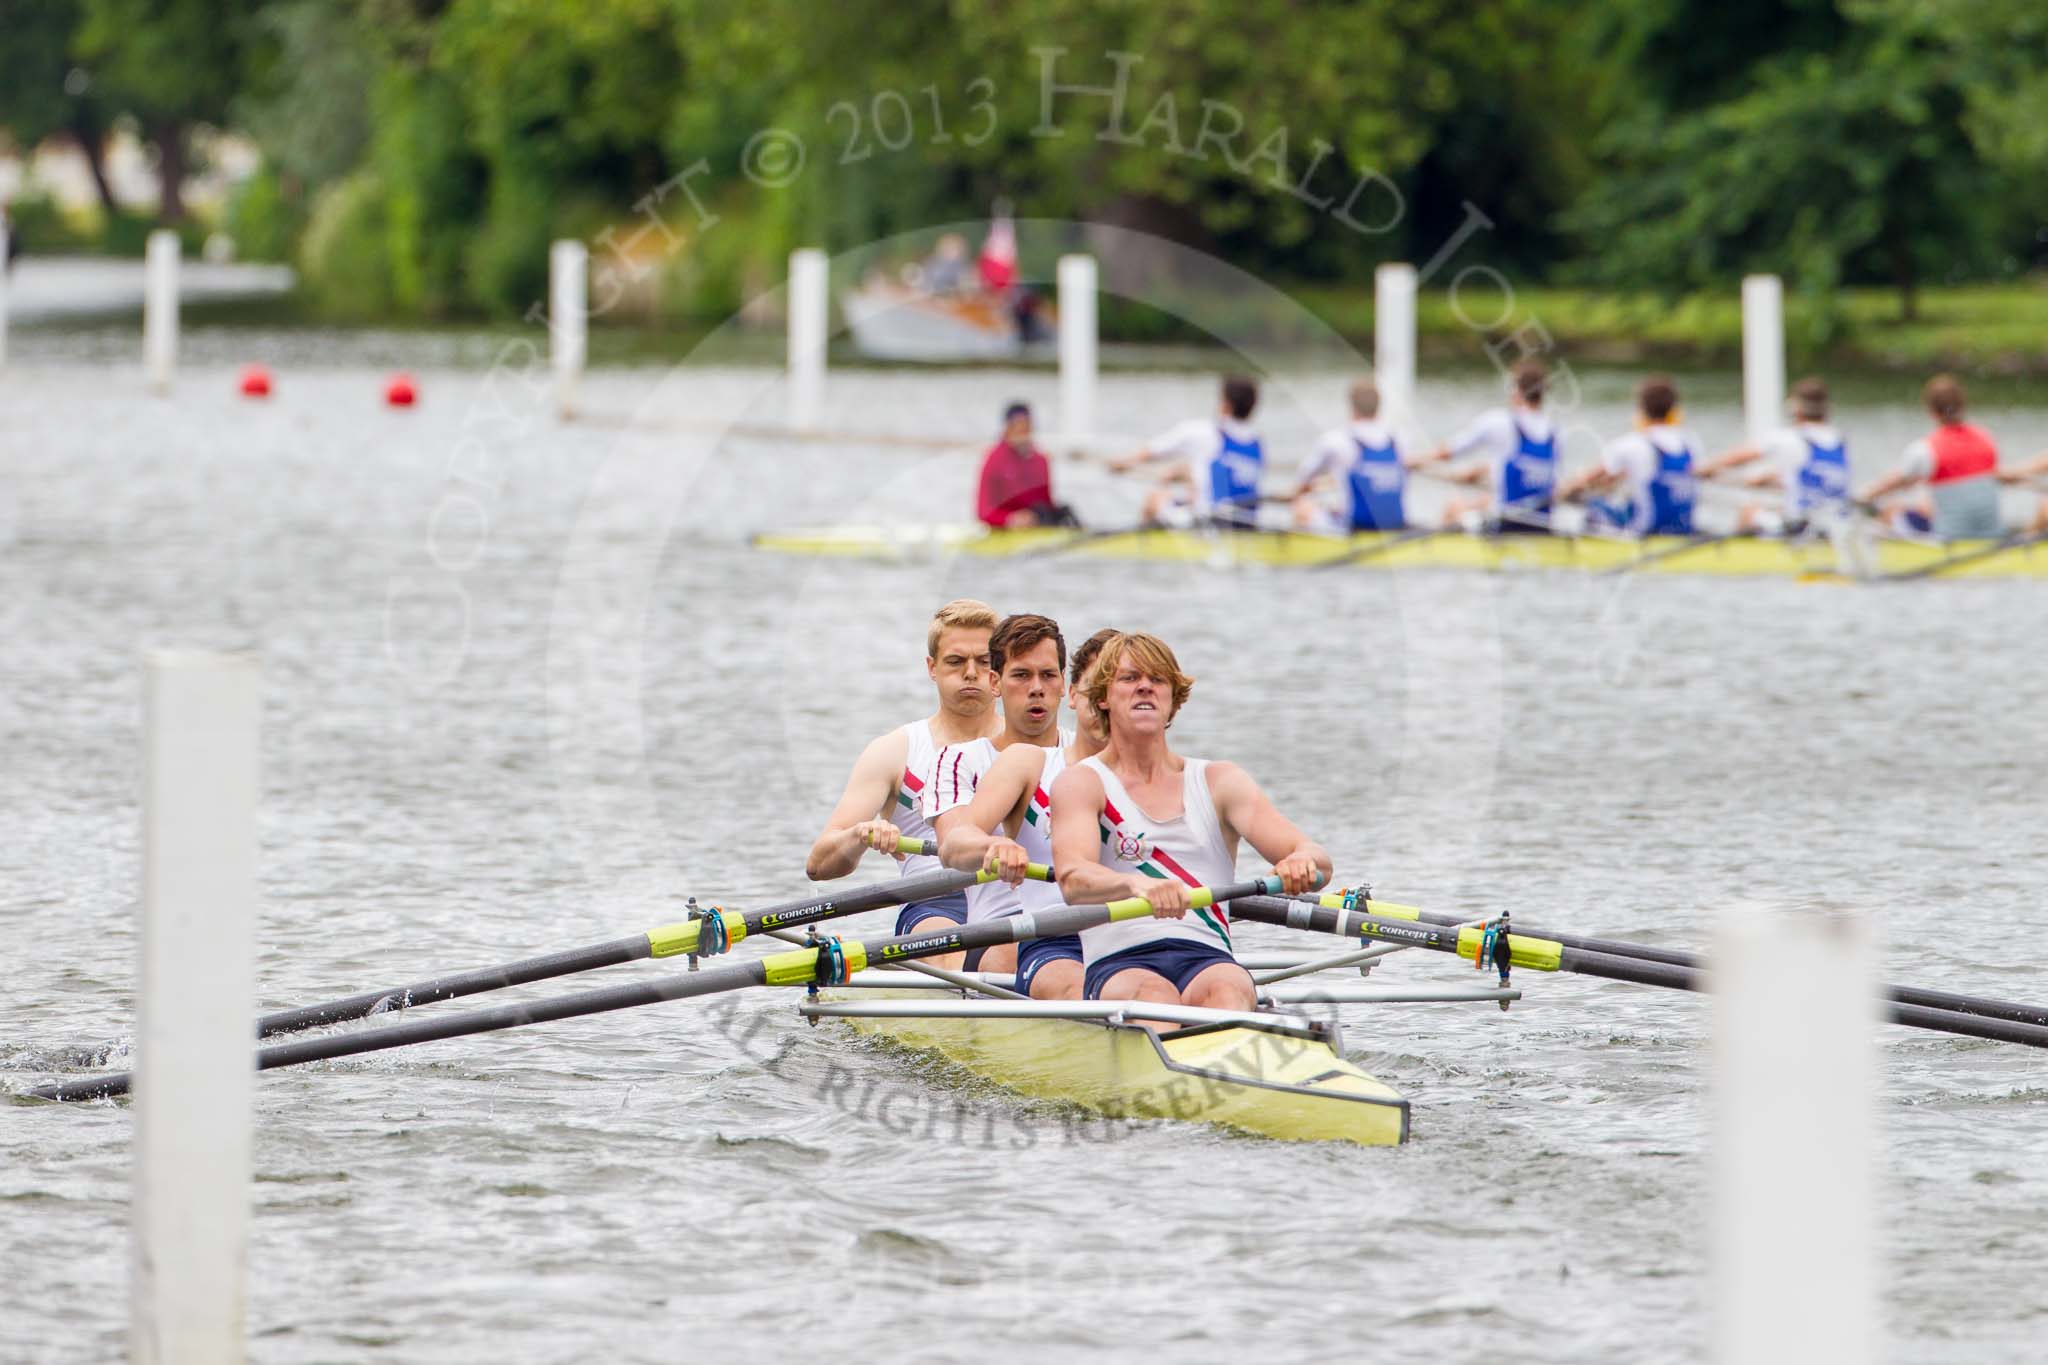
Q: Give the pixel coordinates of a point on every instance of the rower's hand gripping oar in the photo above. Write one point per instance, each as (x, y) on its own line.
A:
(829, 962)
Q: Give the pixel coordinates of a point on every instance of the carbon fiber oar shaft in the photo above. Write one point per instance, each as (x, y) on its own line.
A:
(799, 967)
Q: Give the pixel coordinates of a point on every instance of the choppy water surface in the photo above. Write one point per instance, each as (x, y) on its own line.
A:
(526, 688)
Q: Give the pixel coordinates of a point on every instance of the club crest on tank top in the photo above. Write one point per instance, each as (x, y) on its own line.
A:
(1190, 848)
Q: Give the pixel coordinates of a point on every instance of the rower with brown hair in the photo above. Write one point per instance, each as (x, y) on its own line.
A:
(1027, 656)
(1957, 461)
(1519, 458)
(882, 802)
(1008, 826)
(1652, 466)
(1809, 462)
(1138, 819)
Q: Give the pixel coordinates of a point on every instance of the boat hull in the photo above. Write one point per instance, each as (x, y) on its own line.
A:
(1754, 558)
(1273, 1084)
(889, 322)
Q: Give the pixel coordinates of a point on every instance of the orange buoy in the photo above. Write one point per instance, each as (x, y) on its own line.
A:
(255, 381)
(399, 391)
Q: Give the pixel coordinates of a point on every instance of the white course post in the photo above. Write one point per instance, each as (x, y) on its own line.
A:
(568, 320)
(1393, 344)
(5, 242)
(1763, 355)
(1794, 1178)
(809, 278)
(194, 1074)
(160, 308)
(1078, 346)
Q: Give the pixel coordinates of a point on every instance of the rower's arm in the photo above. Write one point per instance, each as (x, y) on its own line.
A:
(1585, 481)
(1077, 846)
(1248, 813)
(966, 831)
(868, 789)
(2026, 471)
(1732, 459)
(1890, 483)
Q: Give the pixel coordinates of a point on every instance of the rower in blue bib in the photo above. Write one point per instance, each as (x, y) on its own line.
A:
(1809, 460)
(1213, 465)
(1364, 460)
(1652, 466)
(1519, 467)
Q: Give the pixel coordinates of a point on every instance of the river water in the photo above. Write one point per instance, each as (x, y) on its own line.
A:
(526, 687)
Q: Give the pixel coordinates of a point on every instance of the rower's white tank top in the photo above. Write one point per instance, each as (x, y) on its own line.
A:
(956, 776)
(1190, 846)
(921, 754)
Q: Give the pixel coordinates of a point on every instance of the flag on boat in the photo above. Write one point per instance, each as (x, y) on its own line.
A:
(998, 262)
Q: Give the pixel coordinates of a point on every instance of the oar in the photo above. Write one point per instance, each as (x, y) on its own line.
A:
(827, 964)
(668, 940)
(1551, 955)
(2017, 541)
(1679, 957)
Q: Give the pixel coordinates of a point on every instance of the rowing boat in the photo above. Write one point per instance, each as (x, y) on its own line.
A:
(1276, 1072)
(893, 322)
(1741, 557)
(1273, 1073)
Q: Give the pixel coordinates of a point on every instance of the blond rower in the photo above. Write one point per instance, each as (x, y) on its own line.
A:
(883, 800)
(1139, 819)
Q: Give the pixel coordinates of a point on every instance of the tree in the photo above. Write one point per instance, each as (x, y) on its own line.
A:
(43, 93)
(1839, 153)
(172, 64)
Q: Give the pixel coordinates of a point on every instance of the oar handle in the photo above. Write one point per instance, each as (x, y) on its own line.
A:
(1199, 897)
(914, 848)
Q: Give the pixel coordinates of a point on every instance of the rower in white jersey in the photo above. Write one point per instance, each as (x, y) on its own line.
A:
(1652, 466)
(1008, 825)
(884, 795)
(1365, 461)
(1809, 460)
(1138, 819)
(1213, 464)
(1026, 655)
(1519, 459)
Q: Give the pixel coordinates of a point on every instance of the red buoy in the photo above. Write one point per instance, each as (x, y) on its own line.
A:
(399, 391)
(255, 381)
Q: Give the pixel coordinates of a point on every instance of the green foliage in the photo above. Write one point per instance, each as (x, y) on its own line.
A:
(311, 114)
(41, 227)
(179, 61)
(262, 218)
(170, 64)
(1836, 154)
(345, 262)
(1653, 146)
(435, 188)
(35, 60)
